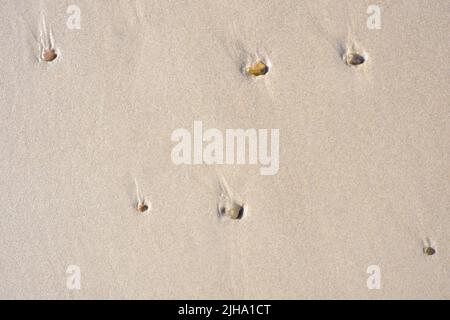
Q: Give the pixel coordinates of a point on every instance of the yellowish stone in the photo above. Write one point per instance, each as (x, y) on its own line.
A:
(258, 69)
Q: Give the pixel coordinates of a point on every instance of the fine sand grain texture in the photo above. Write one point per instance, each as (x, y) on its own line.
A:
(88, 186)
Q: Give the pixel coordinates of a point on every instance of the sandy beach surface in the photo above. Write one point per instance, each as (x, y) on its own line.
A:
(359, 206)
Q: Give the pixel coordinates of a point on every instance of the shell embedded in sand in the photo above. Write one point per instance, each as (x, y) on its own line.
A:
(49, 55)
(258, 69)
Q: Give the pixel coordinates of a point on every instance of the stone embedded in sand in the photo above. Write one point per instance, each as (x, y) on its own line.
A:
(236, 212)
(232, 210)
(355, 59)
(429, 251)
(49, 55)
(258, 69)
(142, 207)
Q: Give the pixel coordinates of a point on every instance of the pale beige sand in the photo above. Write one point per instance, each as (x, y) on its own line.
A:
(364, 152)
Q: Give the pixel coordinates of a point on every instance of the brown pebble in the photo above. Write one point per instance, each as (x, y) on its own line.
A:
(142, 207)
(49, 55)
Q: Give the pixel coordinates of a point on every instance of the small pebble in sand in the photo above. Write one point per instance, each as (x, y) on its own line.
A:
(142, 207)
(258, 69)
(233, 210)
(49, 55)
(429, 251)
(355, 59)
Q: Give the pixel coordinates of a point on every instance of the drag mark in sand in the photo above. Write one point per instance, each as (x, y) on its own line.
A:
(47, 49)
(141, 205)
(228, 206)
